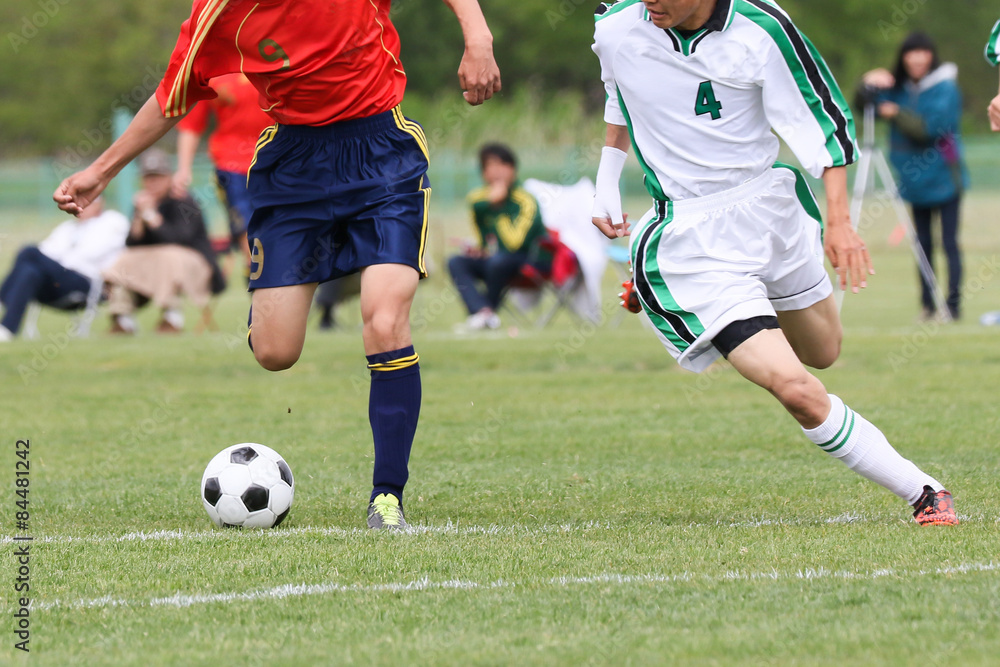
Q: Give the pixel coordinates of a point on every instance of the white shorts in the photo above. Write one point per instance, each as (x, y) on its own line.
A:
(702, 264)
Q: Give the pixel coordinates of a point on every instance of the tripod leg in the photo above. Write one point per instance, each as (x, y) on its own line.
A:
(923, 262)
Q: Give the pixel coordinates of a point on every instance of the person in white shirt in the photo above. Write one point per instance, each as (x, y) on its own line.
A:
(60, 270)
(729, 261)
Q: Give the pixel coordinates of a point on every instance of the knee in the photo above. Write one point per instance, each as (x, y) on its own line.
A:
(28, 255)
(803, 396)
(385, 329)
(456, 265)
(824, 355)
(274, 356)
(29, 252)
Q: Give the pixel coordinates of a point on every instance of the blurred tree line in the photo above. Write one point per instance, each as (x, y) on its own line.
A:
(67, 63)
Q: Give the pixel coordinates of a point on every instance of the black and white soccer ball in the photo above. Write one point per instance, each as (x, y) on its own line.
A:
(247, 485)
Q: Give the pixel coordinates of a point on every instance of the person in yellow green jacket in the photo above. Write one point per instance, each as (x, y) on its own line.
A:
(508, 225)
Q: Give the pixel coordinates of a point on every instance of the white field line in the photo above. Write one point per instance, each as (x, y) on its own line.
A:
(445, 529)
(181, 601)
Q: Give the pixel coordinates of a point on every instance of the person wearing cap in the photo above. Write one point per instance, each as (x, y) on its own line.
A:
(167, 255)
(921, 100)
(60, 270)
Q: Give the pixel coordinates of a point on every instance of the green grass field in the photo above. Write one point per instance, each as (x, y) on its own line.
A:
(577, 499)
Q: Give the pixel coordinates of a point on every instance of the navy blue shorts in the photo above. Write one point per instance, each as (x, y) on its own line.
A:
(234, 197)
(330, 200)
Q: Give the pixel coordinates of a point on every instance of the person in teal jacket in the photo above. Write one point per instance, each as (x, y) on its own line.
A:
(921, 100)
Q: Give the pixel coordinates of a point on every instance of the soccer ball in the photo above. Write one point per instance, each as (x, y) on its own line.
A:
(247, 485)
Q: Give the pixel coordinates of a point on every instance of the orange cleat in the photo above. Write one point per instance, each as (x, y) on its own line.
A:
(935, 508)
(629, 298)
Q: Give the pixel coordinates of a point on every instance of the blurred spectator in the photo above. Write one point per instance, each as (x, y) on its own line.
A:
(921, 100)
(239, 121)
(509, 225)
(993, 57)
(332, 293)
(60, 270)
(167, 255)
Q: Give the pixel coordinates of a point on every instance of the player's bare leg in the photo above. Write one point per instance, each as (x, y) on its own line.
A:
(278, 324)
(814, 333)
(387, 292)
(768, 360)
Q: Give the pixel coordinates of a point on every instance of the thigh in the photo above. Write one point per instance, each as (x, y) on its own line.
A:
(503, 267)
(766, 358)
(463, 265)
(814, 333)
(279, 316)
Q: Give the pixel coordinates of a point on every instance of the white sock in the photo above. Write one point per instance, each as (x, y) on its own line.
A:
(5, 334)
(174, 317)
(848, 436)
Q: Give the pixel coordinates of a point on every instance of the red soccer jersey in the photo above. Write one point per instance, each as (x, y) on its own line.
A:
(313, 62)
(238, 122)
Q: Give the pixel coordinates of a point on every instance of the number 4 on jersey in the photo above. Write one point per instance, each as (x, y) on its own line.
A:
(706, 102)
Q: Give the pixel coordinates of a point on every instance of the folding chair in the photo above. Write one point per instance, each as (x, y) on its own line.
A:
(87, 302)
(534, 283)
(566, 209)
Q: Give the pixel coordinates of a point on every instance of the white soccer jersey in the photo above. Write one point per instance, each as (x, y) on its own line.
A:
(700, 107)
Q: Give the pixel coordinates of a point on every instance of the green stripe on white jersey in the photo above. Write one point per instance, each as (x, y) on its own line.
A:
(606, 9)
(701, 108)
(992, 51)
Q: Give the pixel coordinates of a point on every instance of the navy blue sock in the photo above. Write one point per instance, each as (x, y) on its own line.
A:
(393, 409)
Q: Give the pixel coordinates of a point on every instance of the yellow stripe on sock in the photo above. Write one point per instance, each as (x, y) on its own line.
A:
(395, 364)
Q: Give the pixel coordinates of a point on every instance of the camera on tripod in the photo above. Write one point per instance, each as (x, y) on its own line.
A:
(868, 94)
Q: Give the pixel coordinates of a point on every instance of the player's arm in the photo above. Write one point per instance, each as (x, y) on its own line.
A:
(478, 73)
(607, 215)
(189, 133)
(77, 191)
(844, 248)
(187, 146)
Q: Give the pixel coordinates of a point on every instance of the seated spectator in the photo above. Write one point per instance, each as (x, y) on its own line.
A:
(509, 226)
(60, 270)
(167, 254)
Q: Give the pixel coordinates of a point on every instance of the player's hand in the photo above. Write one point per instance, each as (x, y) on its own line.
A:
(180, 182)
(610, 228)
(77, 192)
(848, 255)
(478, 73)
(994, 114)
